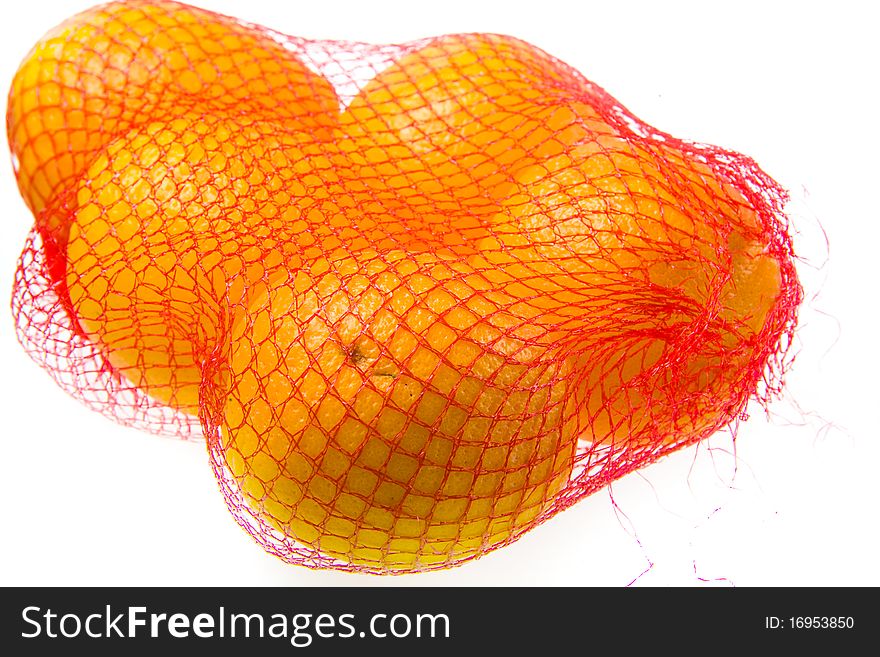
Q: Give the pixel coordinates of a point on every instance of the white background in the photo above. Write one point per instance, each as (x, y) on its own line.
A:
(794, 85)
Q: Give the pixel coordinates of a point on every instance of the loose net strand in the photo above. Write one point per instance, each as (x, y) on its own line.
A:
(417, 298)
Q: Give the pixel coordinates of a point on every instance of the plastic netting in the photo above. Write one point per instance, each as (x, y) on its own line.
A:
(417, 298)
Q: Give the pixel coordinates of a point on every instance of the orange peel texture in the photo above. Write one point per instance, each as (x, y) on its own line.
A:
(418, 299)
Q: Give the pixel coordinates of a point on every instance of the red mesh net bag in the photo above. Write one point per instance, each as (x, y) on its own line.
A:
(417, 299)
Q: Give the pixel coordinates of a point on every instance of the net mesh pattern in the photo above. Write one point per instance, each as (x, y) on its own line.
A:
(417, 299)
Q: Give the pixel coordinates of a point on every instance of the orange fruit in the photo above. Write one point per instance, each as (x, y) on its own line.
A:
(120, 65)
(642, 241)
(176, 223)
(385, 410)
(469, 108)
